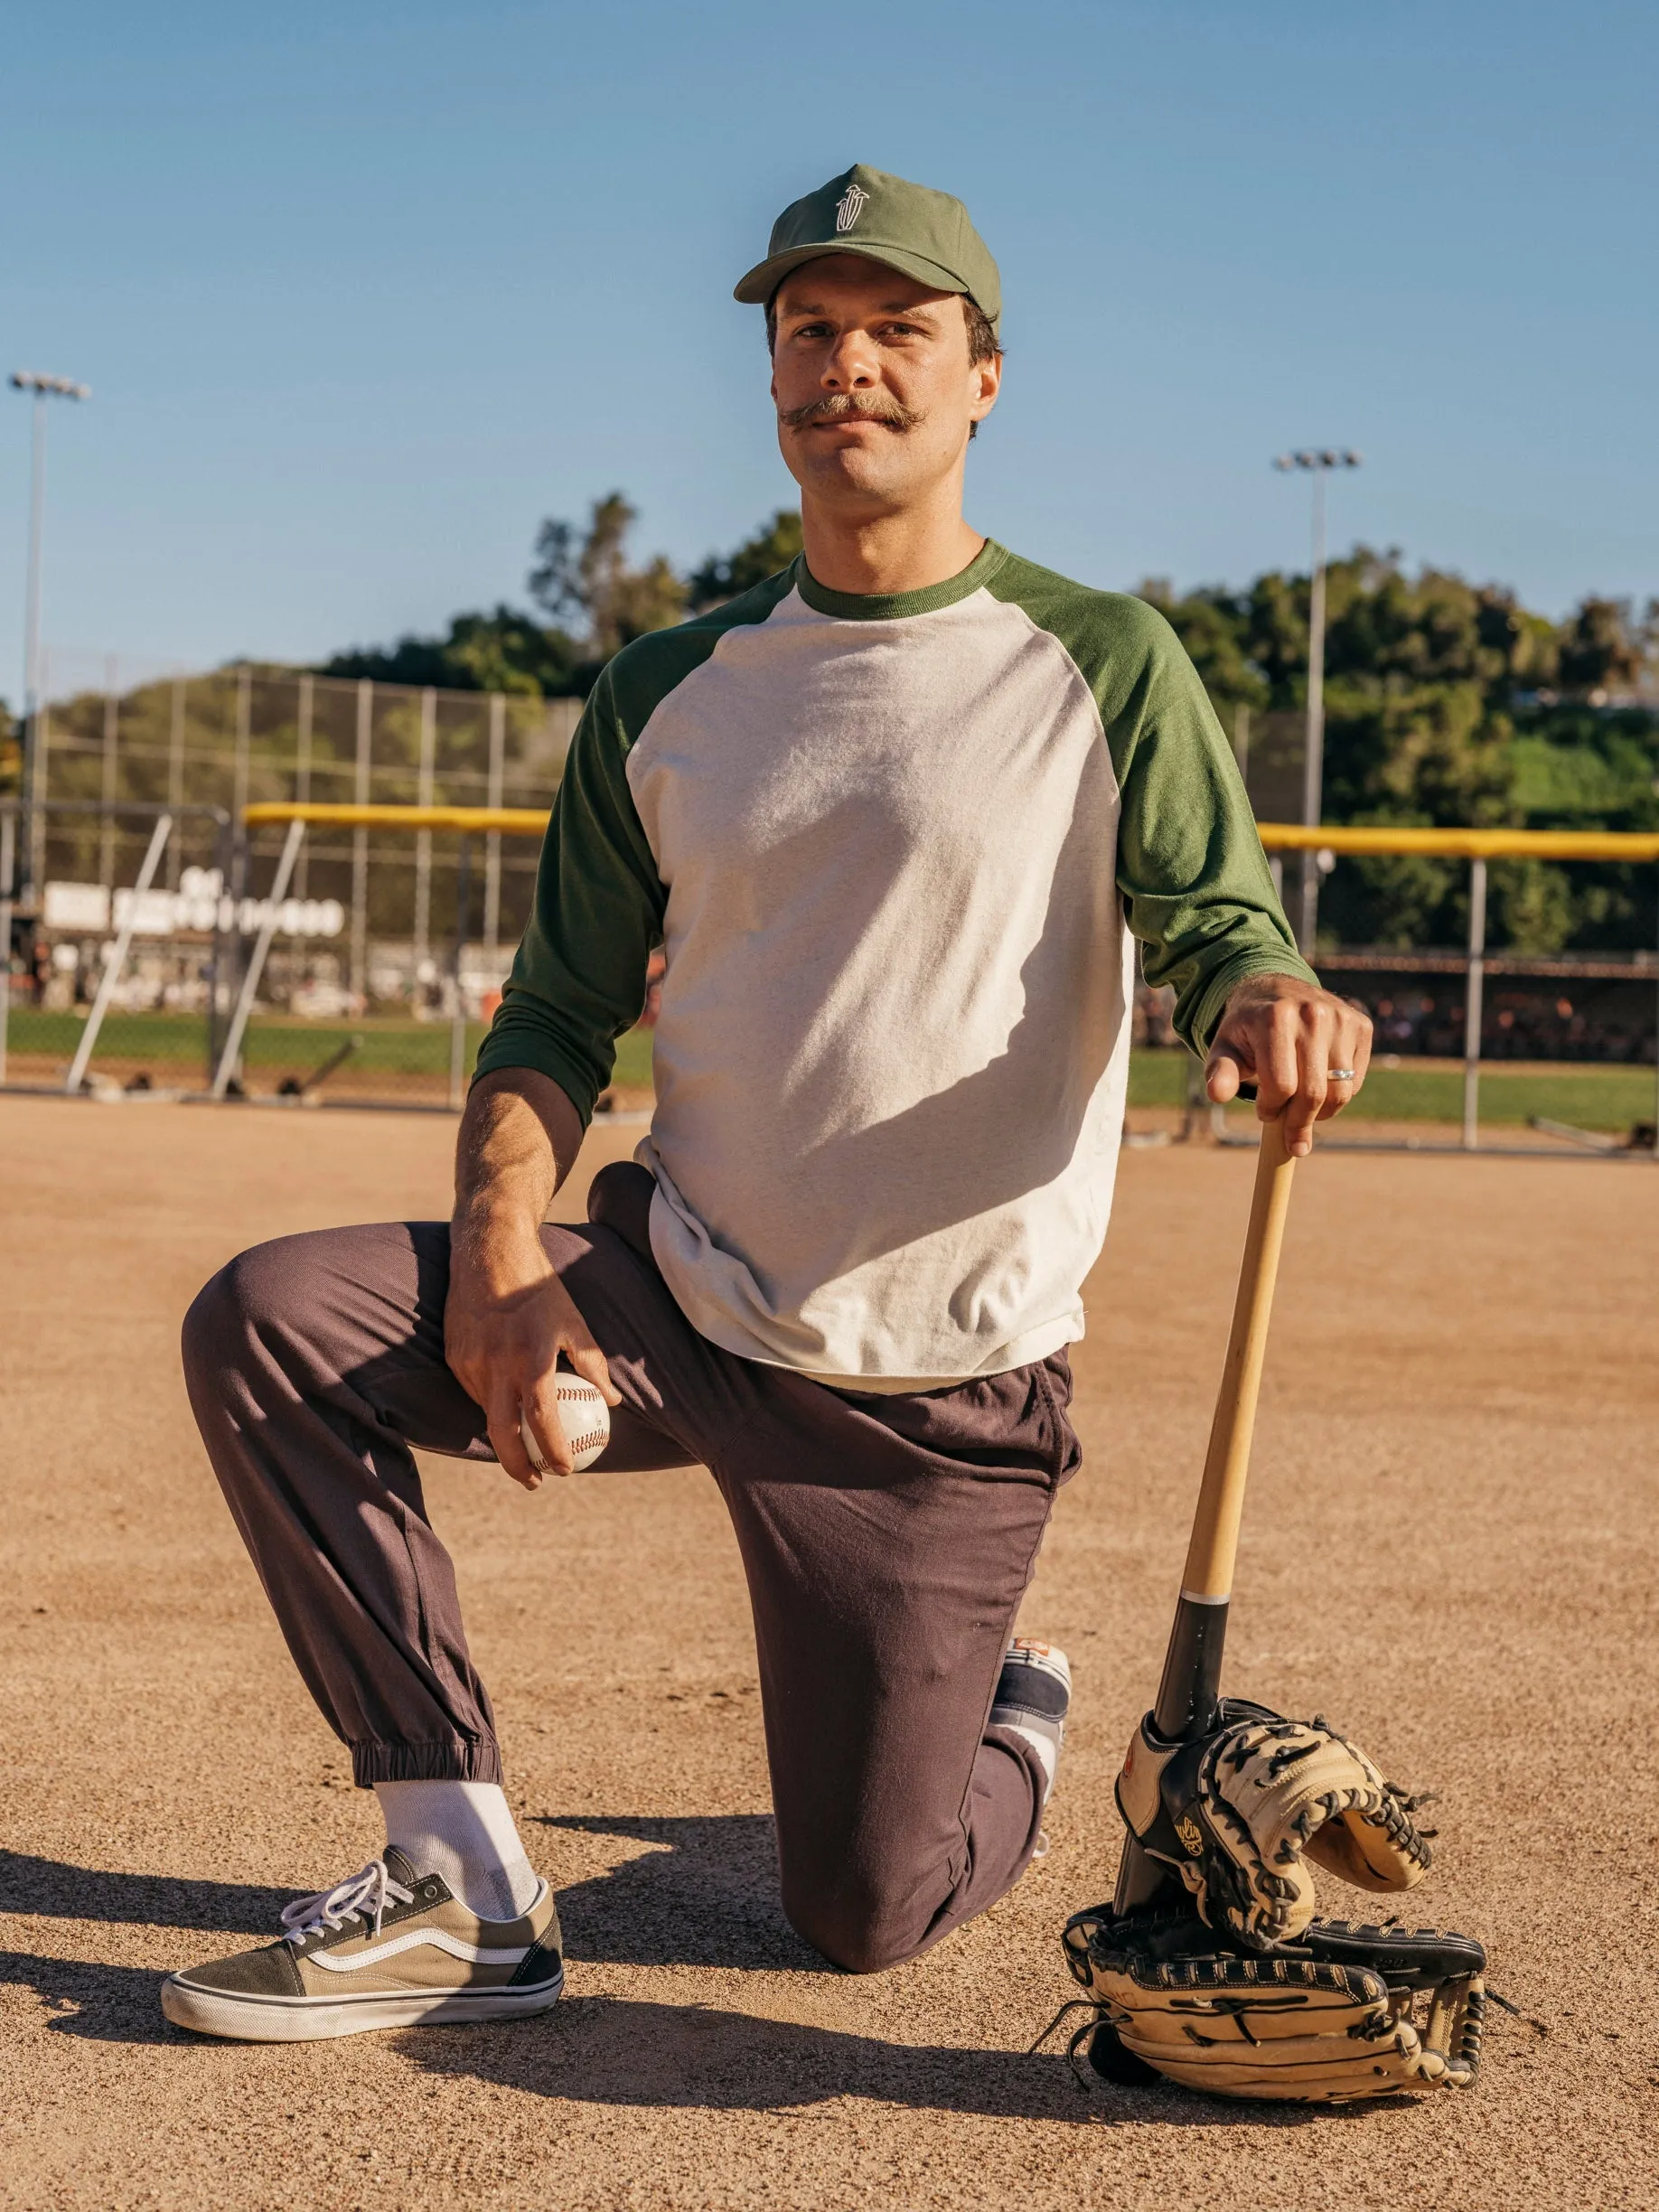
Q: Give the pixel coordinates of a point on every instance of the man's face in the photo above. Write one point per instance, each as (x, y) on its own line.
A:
(875, 391)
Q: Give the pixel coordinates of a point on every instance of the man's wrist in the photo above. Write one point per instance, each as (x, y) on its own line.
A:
(498, 1239)
(1264, 978)
(1266, 984)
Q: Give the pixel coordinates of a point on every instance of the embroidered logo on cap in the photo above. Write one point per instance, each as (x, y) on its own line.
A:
(852, 204)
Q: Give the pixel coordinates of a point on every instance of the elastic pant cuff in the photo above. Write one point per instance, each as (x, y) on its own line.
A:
(451, 1758)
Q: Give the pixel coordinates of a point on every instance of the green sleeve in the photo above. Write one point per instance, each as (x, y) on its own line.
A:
(1193, 879)
(1195, 884)
(578, 977)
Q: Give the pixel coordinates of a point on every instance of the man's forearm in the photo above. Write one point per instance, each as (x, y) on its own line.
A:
(519, 1135)
(508, 1320)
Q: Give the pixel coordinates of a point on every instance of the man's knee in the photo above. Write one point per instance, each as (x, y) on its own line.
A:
(861, 1930)
(238, 1305)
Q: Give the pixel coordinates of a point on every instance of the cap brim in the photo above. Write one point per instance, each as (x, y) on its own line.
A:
(763, 279)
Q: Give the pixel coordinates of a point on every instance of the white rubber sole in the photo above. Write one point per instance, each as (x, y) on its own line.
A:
(313, 2019)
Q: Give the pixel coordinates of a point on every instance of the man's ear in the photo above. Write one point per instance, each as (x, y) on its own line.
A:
(990, 386)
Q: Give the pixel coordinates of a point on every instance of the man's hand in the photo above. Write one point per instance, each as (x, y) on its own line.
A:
(1305, 1050)
(508, 1318)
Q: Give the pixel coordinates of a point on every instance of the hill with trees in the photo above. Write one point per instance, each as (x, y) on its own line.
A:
(591, 601)
(1446, 702)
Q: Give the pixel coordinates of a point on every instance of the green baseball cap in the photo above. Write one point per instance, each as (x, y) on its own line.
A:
(924, 233)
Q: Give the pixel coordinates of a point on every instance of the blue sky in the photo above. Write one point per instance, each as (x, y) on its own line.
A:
(365, 291)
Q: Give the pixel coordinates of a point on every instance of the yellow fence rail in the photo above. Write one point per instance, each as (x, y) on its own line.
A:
(1477, 847)
(1465, 844)
(502, 822)
(1278, 837)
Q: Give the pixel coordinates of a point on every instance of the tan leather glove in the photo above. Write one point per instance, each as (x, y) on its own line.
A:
(1348, 2011)
(1239, 1814)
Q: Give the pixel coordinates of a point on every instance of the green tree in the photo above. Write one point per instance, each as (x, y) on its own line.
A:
(1442, 707)
(1211, 625)
(1603, 648)
(588, 577)
(723, 575)
(505, 650)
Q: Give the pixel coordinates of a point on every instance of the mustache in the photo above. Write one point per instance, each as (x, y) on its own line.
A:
(851, 406)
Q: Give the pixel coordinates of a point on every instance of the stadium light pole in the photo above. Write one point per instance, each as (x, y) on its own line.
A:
(42, 387)
(1320, 463)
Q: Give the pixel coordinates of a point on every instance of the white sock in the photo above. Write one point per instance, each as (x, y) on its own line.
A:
(464, 1833)
(1045, 1745)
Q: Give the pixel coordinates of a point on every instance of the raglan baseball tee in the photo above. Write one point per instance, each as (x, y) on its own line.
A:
(897, 851)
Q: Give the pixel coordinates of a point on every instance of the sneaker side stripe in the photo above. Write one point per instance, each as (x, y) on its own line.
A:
(440, 1939)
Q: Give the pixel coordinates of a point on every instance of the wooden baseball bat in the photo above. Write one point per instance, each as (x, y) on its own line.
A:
(1190, 1691)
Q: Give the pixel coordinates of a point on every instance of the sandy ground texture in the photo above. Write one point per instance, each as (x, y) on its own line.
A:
(1446, 1548)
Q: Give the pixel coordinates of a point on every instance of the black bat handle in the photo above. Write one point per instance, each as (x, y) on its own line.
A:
(1190, 1692)
(1188, 1700)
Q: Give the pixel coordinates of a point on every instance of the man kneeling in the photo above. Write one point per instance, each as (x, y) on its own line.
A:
(896, 817)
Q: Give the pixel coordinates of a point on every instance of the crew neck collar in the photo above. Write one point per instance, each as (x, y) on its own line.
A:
(891, 606)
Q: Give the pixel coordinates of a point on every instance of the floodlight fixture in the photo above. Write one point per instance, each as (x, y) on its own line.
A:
(56, 387)
(1327, 457)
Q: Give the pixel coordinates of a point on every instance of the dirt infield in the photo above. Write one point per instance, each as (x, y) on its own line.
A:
(1448, 1549)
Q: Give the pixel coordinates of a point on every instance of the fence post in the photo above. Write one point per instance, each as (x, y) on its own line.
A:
(117, 958)
(457, 1020)
(112, 740)
(8, 862)
(493, 842)
(302, 769)
(244, 738)
(40, 743)
(360, 848)
(423, 838)
(228, 839)
(256, 966)
(176, 771)
(1473, 993)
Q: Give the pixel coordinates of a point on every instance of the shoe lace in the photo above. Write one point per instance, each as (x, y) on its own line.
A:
(371, 1889)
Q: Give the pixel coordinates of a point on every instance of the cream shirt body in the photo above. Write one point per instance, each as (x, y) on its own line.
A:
(892, 1050)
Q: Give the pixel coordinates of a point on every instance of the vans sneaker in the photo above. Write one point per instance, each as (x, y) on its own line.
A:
(387, 1948)
(1033, 1695)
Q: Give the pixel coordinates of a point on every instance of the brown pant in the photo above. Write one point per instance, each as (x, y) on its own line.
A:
(886, 1543)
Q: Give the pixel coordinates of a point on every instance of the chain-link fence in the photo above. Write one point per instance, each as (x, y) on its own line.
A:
(180, 961)
(359, 995)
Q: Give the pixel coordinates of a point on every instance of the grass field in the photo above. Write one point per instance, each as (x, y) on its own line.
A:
(174, 1047)
(176, 1043)
(1596, 1098)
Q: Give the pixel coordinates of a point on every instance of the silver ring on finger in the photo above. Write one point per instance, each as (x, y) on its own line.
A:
(1339, 1075)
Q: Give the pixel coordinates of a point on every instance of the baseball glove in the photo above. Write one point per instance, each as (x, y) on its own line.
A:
(1239, 1813)
(1348, 2012)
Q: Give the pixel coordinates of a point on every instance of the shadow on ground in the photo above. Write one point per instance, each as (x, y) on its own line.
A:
(706, 1895)
(603, 2050)
(85, 1997)
(118, 2005)
(53, 1889)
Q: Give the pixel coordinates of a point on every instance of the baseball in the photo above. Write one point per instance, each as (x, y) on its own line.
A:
(585, 1417)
